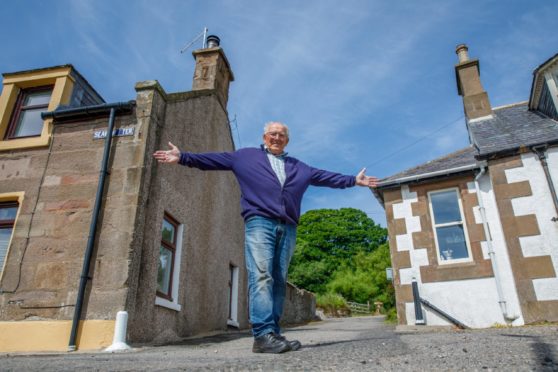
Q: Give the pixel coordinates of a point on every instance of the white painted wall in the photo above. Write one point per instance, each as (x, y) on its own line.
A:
(499, 246)
(419, 257)
(412, 224)
(539, 203)
(475, 301)
(469, 301)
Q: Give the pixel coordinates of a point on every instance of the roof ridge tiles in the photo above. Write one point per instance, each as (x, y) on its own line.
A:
(521, 103)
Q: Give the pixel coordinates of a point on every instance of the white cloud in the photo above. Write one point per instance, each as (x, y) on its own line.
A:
(331, 75)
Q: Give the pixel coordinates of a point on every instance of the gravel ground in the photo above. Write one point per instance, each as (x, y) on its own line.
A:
(349, 344)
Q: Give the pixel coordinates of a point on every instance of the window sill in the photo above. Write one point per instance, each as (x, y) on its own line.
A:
(446, 264)
(168, 304)
(24, 143)
(233, 323)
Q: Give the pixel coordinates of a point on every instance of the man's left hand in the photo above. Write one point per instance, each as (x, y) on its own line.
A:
(364, 180)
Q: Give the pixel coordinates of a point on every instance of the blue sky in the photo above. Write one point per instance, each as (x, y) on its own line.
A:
(360, 83)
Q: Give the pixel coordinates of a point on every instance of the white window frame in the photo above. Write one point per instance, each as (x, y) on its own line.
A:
(463, 222)
(233, 297)
(551, 78)
(175, 277)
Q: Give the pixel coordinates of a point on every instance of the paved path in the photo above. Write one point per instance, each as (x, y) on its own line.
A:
(350, 344)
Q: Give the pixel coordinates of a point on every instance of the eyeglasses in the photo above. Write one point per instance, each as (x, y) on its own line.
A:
(276, 134)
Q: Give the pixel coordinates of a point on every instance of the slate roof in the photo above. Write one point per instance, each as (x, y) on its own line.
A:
(510, 128)
(79, 80)
(456, 162)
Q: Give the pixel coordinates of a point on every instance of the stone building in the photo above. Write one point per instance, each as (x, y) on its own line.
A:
(478, 229)
(166, 242)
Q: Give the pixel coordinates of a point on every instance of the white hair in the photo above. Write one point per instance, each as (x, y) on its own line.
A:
(270, 123)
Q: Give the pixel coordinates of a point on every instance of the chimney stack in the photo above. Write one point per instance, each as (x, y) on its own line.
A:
(213, 70)
(467, 72)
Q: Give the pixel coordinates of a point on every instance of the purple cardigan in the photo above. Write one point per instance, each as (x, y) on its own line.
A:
(262, 194)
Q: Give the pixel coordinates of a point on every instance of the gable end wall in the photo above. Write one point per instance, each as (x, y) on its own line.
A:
(526, 209)
(456, 288)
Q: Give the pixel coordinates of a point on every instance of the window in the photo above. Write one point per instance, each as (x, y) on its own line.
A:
(35, 91)
(546, 102)
(8, 213)
(449, 230)
(168, 266)
(26, 118)
(167, 257)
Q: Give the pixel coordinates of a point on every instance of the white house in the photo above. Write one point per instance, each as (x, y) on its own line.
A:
(478, 229)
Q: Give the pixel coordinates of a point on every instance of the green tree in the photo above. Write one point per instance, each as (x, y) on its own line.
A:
(366, 280)
(328, 240)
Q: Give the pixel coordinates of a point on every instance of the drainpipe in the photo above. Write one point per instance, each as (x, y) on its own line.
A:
(491, 253)
(74, 113)
(419, 318)
(540, 151)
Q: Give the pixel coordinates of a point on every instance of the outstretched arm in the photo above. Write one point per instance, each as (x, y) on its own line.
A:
(364, 180)
(322, 177)
(171, 156)
(204, 161)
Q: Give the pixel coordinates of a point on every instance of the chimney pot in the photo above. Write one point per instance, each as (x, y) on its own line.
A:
(462, 53)
(213, 41)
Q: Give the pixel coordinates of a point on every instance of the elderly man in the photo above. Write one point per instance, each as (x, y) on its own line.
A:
(272, 186)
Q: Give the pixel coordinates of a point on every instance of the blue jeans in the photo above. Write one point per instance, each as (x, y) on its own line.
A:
(269, 246)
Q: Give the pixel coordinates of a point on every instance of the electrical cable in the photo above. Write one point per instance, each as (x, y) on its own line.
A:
(414, 142)
(235, 121)
(32, 216)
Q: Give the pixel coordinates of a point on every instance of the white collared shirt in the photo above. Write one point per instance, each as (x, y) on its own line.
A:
(278, 165)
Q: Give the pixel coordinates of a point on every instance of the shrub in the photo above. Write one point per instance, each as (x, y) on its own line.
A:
(391, 315)
(333, 304)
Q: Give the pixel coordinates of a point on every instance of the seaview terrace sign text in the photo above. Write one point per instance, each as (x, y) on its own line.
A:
(119, 132)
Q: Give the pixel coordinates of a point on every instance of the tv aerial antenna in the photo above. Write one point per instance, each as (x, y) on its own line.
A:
(202, 34)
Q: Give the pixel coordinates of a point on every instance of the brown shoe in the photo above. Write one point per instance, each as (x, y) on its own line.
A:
(270, 343)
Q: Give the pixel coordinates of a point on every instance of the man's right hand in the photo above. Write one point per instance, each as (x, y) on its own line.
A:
(171, 156)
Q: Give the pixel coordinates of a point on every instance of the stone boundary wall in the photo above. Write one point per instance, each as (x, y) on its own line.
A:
(300, 306)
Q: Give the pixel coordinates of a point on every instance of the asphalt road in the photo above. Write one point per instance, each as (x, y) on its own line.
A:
(349, 344)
